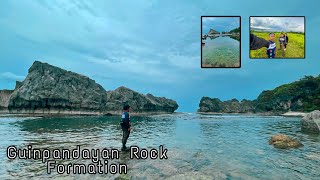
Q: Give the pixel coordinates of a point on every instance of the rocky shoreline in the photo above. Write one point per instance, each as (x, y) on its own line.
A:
(50, 90)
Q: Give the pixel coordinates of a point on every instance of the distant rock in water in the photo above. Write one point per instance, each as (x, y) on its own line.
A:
(282, 141)
(212, 32)
(215, 105)
(300, 96)
(310, 123)
(52, 90)
(139, 103)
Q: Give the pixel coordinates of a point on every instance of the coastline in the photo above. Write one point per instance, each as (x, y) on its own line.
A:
(287, 114)
(6, 113)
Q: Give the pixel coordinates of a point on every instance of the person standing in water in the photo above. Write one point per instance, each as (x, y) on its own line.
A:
(125, 125)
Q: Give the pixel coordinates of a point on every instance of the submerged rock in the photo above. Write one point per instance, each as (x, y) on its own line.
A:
(282, 141)
(51, 90)
(311, 122)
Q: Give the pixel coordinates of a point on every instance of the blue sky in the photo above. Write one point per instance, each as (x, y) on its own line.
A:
(219, 24)
(148, 46)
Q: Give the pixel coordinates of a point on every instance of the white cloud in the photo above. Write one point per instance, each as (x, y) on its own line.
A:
(11, 76)
(208, 19)
(278, 23)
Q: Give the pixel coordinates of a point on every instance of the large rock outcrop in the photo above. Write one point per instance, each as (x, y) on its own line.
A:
(311, 122)
(51, 90)
(139, 103)
(299, 96)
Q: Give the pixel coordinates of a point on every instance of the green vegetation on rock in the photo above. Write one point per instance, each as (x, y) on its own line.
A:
(302, 95)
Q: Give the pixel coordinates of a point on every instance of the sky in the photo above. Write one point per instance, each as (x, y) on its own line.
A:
(278, 24)
(147, 45)
(219, 24)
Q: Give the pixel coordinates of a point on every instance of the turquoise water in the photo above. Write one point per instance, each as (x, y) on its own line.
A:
(199, 146)
(221, 52)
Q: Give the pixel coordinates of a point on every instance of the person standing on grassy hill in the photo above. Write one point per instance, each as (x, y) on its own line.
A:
(287, 40)
(271, 51)
(282, 41)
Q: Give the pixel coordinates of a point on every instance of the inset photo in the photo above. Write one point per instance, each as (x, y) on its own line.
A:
(220, 41)
(281, 37)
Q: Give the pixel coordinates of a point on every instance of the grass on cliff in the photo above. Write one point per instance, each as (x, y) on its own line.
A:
(295, 47)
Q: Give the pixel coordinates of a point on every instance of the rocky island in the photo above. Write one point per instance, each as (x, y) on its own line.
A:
(51, 90)
(300, 96)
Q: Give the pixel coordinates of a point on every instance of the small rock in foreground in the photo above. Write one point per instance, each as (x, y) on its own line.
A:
(282, 141)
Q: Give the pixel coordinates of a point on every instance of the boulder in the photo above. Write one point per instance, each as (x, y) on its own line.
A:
(310, 123)
(282, 141)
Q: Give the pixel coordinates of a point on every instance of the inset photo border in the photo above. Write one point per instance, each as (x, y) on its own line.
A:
(277, 37)
(220, 41)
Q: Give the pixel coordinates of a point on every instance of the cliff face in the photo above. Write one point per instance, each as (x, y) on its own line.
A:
(302, 95)
(52, 90)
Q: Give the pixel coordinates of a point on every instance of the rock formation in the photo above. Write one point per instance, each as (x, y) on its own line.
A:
(282, 141)
(311, 122)
(51, 90)
(139, 103)
(231, 106)
(212, 32)
(48, 89)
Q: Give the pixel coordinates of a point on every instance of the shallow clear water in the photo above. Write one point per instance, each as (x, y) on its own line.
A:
(199, 146)
(221, 51)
